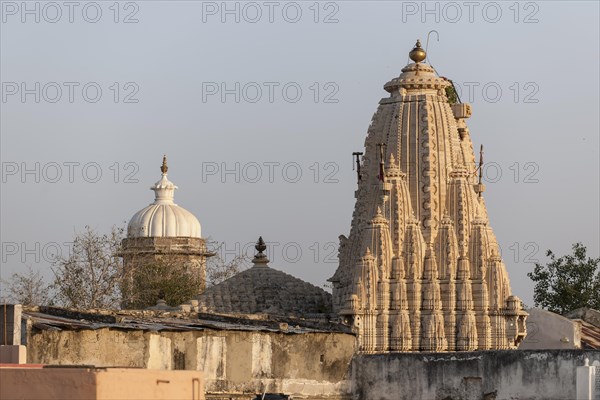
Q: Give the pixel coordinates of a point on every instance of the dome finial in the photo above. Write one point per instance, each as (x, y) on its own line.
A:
(260, 257)
(163, 167)
(417, 54)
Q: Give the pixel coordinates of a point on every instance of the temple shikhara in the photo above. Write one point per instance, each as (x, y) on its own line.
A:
(421, 270)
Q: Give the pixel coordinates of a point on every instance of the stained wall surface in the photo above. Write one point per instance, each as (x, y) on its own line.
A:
(521, 374)
(316, 364)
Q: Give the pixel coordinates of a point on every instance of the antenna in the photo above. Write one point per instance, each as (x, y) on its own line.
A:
(357, 155)
(437, 35)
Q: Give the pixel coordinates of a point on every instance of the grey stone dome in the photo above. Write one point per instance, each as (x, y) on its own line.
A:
(264, 290)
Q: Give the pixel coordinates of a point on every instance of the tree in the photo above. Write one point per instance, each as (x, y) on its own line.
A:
(93, 276)
(217, 270)
(90, 276)
(28, 288)
(170, 277)
(568, 282)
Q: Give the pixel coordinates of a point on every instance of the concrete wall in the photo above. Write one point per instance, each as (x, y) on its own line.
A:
(99, 384)
(519, 374)
(311, 365)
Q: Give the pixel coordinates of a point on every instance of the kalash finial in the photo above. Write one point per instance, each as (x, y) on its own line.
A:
(417, 54)
(163, 167)
(260, 257)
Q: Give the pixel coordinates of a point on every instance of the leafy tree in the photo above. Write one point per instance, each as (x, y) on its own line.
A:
(169, 277)
(568, 282)
(28, 288)
(90, 276)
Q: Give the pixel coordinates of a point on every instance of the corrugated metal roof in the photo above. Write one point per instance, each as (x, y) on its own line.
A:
(590, 335)
(50, 318)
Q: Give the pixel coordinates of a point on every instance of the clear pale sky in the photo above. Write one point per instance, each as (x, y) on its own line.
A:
(533, 68)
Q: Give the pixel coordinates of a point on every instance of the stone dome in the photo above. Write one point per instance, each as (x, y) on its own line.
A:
(264, 290)
(164, 218)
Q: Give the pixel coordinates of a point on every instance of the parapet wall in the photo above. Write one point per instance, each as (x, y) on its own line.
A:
(239, 358)
(520, 374)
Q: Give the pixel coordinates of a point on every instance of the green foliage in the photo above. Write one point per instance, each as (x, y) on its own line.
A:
(168, 277)
(568, 282)
(451, 95)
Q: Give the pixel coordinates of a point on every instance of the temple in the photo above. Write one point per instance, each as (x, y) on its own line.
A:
(420, 270)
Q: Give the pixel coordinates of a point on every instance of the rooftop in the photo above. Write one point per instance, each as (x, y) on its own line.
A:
(54, 318)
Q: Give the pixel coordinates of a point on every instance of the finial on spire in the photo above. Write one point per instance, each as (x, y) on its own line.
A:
(417, 54)
(260, 257)
(480, 164)
(381, 147)
(480, 187)
(392, 160)
(163, 167)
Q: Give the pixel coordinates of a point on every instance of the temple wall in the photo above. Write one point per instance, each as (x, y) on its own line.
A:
(488, 375)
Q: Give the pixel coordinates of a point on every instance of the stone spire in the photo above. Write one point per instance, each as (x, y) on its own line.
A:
(420, 269)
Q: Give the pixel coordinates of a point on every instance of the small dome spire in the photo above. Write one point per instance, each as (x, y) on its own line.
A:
(163, 167)
(164, 189)
(417, 54)
(260, 258)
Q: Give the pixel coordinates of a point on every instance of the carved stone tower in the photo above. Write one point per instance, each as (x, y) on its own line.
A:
(421, 270)
(162, 235)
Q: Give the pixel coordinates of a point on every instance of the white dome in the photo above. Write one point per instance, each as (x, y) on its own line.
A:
(163, 218)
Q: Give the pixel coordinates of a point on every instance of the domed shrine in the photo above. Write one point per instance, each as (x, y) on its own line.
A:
(265, 290)
(163, 233)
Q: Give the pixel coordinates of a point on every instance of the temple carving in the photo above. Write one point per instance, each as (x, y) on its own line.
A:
(421, 267)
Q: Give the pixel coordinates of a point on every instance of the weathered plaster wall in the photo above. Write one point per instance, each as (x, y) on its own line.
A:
(520, 374)
(238, 364)
(101, 348)
(307, 365)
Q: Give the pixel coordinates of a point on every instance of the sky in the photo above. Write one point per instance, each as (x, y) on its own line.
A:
(259, 106)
